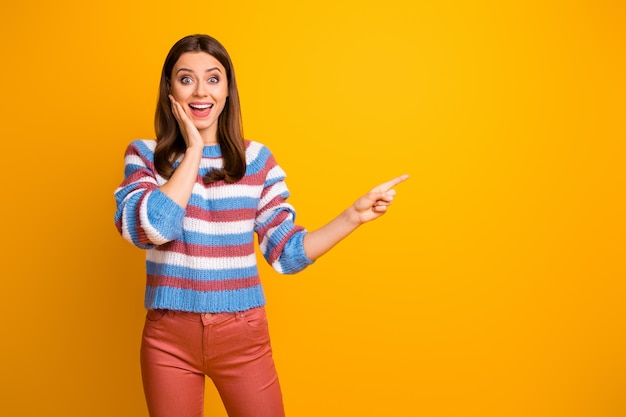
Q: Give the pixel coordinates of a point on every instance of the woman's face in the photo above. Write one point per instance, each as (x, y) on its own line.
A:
(199, 84)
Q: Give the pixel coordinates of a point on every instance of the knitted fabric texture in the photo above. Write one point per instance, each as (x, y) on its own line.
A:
(202, 258)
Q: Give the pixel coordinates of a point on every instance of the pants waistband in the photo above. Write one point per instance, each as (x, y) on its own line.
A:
(204, 317)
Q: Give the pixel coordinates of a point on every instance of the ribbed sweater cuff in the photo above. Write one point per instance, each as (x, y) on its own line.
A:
(165, 215)
(294, 257)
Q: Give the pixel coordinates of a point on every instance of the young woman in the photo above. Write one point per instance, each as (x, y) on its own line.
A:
(194, 199)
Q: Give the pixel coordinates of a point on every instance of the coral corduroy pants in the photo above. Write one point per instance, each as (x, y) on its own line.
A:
(180, 349)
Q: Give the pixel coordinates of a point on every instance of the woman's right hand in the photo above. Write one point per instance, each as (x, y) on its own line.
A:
(180, 185)
(187, 128)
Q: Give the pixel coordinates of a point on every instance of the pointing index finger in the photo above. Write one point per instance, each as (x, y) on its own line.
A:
(391, 183)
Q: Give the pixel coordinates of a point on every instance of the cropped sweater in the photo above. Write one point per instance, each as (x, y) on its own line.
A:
(202, 258)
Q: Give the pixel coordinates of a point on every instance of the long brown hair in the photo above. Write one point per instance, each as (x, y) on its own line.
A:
(170, 142)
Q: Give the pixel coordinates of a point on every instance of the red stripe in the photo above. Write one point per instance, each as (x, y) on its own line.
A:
(278, 248)
(207, 251)
(276, 220)
(137, 177)
(206, 286)
(134, 151)
(272, 204)
(142, 236)
(220, 215)
(254, 179)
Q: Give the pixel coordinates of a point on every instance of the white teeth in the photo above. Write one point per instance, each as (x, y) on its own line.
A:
(201, 106)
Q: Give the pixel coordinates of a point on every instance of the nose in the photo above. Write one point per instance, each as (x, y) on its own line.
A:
(201, 90)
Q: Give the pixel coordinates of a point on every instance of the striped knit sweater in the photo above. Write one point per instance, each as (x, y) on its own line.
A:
(202, 258)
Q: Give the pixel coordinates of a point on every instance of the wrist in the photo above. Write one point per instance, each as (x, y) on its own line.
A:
(194, 147)
(193, 152)
(352, 217)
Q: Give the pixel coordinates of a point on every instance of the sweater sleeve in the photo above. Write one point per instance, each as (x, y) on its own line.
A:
(280, 240)
(145, 216)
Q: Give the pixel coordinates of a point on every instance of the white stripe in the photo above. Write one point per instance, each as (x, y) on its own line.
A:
(149, 180)
(211, 163)
(150, 143)
(276, 172)
(266, 238)
(277, 266)
(134, 160)
(275, 190)
(252, 153)
(265, 215)
(227, 191)
(152, 234)
(200, 262)
(263, 243)
(125, 229)
(218, 228)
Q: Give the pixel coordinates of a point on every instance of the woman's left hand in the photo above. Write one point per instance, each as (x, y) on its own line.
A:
(374, 204)
(369, 207)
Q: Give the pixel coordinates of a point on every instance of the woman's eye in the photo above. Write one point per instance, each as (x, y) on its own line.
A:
(214, 80)
(186, 80)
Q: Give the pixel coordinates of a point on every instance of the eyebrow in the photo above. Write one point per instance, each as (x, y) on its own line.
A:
(208, 70)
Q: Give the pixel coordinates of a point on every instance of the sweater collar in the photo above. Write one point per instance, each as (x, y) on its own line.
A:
(212, 151)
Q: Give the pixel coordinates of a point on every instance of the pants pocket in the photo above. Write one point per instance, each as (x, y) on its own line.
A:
(155, 315)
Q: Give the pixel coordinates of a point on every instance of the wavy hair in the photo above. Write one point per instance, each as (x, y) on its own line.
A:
(170, 142)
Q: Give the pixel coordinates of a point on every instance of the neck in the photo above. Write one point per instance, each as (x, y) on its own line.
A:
(209, 136)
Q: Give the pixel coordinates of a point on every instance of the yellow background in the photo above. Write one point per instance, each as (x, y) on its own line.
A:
(494, 287)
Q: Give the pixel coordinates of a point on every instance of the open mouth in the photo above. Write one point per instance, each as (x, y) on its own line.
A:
(200, 106)
(201, 109)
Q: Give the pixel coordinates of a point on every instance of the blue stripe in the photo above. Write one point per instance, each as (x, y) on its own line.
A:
(281, 209)
(204, 302)
(211, 151)
(127, 210)
(143, 149)
(259, 163)
(224, 204)
(293, 258)
(131, 168)
(168, 270)
(205, 239)
(272, 181)
(165, 215)
(122, 192)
